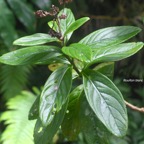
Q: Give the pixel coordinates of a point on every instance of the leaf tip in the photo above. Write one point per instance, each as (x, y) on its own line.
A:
(88, 18)
(15, 42)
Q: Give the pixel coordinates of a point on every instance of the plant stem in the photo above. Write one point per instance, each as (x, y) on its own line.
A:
(58, 23)
(134, 107)
(73, 64)
(63, 43)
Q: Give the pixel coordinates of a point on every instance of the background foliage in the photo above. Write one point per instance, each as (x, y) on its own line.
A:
(17, 19)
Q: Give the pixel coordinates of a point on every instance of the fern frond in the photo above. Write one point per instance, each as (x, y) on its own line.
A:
(19, 129)
(13, 79)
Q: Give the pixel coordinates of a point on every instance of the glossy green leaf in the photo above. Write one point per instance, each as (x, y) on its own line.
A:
(53, 25)
(73, 120)
(116, 52)
(75, 25)
(34, 110)
(64, 23)
(106, 101)
(24, 13)
(44, 135)
(110, 36)
(32, 55)
(7, 24)
(78, 51)
(106, 69)
(55, 93)
(53, 58)
(35, 39)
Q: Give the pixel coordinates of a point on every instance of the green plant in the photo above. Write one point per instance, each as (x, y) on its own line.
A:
(19, 129)
(95, 107)
(17, 20)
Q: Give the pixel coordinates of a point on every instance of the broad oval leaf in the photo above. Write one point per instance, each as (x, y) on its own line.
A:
(24, 13)
(55, 93)
(64, 23)
(79, 51)
(32, 55)
(35, 39)
(106, 101)
(75, 25)
(44, 135)
(110, 36)
(116, 52)
(73, 119)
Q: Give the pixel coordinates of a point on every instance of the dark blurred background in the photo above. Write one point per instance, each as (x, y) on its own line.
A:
(17, 19)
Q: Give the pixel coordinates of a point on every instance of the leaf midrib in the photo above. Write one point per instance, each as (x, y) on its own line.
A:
(106, 104)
